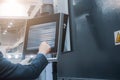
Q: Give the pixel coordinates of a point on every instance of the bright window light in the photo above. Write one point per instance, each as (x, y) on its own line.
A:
(16, 56)
(11, 23)
(9, 56)
(9, 26)
(5, 31)
(11, 8)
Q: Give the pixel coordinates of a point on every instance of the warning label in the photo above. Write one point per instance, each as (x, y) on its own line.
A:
(117, 37)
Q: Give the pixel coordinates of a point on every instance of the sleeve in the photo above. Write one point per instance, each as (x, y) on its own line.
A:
(10, 71)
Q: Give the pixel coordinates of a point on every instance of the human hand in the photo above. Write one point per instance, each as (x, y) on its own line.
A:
(44, 48)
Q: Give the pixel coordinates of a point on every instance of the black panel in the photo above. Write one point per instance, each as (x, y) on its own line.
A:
(94, 54)
(42, 29)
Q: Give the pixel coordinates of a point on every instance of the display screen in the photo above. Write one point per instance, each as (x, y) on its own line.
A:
(39, 33)
(47, 28)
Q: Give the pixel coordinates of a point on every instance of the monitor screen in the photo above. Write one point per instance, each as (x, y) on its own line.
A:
(47, 28)
(41, 32)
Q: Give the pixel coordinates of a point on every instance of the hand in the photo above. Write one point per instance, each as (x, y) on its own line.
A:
(44, 48)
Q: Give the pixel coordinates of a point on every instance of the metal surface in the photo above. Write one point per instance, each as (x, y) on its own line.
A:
(94, 54)
(73, 78)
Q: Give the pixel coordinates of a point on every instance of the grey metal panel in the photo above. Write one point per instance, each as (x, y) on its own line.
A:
(94, 54)
(72, 78)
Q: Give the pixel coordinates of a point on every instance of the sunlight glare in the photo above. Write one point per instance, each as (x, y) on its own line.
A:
(12, 8)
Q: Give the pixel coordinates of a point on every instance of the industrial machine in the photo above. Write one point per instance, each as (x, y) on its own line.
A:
(85, 43)
(95, 29)
(52, 29)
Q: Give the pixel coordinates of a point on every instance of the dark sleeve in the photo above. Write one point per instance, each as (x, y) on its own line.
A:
(10, 71)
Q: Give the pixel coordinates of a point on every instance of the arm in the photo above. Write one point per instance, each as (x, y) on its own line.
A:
(22, 72)
(10, 71)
